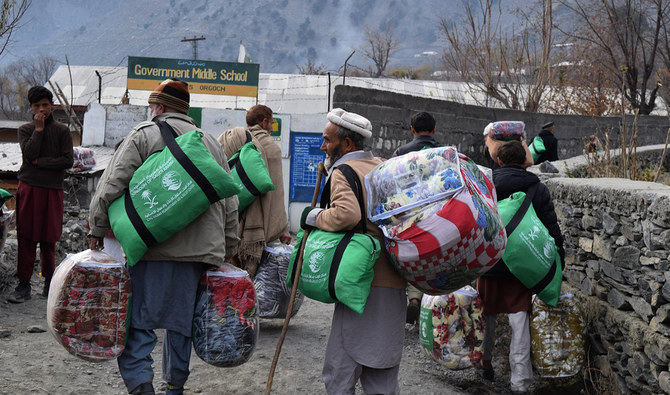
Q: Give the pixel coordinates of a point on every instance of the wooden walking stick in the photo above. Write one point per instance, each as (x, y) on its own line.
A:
(294, 289)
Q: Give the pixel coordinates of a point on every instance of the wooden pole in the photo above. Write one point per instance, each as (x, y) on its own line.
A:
(294, 289)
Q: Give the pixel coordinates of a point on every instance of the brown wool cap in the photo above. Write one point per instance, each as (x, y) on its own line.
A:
(172, 93)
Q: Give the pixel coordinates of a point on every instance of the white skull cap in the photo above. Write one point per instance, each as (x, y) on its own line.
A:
(350, 121)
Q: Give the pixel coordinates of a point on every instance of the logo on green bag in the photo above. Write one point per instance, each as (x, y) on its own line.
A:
(534, 233)
(171, 181)
(315, 261)
(549, 249)
(150, 200)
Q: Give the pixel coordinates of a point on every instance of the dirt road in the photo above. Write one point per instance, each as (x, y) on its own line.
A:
(34, 363)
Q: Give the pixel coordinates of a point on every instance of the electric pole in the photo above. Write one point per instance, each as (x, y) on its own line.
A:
(194, 41)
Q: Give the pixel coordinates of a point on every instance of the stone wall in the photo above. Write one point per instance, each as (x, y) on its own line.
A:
(462, 125)
(73, 240)
(617, 235)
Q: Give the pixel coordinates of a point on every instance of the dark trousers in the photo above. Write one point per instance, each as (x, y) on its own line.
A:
(26, 258)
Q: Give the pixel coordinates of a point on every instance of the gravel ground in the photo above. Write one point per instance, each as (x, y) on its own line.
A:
(34, 363)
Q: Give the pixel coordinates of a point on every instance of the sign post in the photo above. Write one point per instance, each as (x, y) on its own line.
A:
(203, 77)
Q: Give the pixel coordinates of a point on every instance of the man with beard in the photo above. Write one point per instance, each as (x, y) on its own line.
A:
(364, 346)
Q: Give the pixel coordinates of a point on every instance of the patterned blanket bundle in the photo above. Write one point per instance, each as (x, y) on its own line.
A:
(440, 244)
(451, 328)
(89, 305)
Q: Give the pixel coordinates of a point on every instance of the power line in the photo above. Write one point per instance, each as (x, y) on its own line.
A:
(194, 41)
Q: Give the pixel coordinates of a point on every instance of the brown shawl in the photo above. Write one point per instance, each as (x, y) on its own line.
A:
(264, 220)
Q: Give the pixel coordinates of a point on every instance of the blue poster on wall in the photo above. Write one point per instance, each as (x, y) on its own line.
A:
(305, 157)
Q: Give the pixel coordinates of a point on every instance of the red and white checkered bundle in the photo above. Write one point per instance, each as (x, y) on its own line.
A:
(441, 253)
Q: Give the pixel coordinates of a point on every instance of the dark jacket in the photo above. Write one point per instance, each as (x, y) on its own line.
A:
(420, 142)
(52, 149)
(550, 145)
(510, 179)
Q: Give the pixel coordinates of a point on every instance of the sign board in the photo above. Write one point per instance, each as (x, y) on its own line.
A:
(305, 157)
(203, 77)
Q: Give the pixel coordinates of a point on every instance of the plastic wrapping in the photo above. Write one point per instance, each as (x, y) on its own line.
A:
(5, 219)
(558, 337)
(451, 328)
(400, 188)
(506, 130)
(89, 305)
(225, 323)
(270, 282)
(447, 244)
(84, 158)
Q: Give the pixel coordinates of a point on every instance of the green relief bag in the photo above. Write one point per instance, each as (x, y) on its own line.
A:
(531, 253)
(4, 196)
(337, 266)
(537, 148)
(250, 173)
(167, 192)
(426, 337)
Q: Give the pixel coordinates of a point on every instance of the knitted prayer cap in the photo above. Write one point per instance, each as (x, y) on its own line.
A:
(351, 121)
(172, 93)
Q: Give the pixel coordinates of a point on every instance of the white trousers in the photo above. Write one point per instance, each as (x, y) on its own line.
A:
(521, 370)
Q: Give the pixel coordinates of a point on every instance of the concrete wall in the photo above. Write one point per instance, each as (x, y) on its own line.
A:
(617, 241)
(462, 125)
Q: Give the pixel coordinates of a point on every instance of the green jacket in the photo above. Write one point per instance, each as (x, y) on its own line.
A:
(209, 238)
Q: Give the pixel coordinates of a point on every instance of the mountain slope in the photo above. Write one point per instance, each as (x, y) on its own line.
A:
(278, 35)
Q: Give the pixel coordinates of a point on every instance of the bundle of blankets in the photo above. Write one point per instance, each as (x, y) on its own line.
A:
(270, 281)
(89, 304)
(451, 328)
(558, 337)
(439, 215)
(225, 323)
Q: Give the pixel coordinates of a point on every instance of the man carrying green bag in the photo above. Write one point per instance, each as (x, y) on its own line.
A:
(506, 287)
(262, 218)
(365, 346)
(248, 170)
(165, 277)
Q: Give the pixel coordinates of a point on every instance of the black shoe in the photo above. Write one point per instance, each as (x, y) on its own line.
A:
(412, 313)
(487, 373)
(143, 389)
(20, 294)
(45, 290)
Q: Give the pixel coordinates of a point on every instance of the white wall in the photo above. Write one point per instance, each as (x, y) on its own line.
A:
(118, 120)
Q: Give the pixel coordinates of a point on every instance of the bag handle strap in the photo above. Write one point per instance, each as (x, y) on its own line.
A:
(518, 216)
(168, 134)
(355, 185)
(236, 163)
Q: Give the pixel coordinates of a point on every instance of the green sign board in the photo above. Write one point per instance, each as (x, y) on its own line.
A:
(203, 77)
(276, 127)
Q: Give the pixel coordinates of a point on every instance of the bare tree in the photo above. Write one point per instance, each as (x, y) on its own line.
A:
(379, 45)
(311, 68)
(17, 78)
(626, 35)
(510, 67)
(11, 12)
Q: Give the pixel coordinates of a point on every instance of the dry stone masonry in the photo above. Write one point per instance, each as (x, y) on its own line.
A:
(617, 240)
